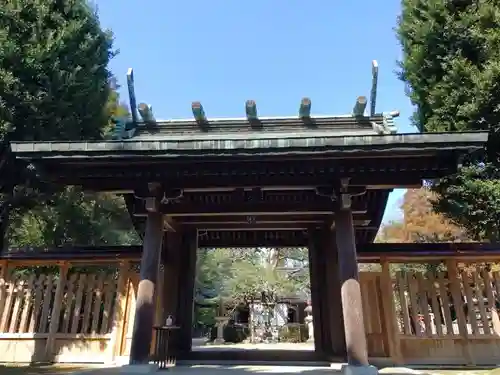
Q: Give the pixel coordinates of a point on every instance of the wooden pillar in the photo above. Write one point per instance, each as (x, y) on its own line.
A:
(145, 304)
(355, 337)
(171, 260)
(332, 298)
(318, 290)
(187, 270)
(56, 311)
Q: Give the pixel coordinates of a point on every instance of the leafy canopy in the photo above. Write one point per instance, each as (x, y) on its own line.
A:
(55, 84)
(451, 66)
(53, 70)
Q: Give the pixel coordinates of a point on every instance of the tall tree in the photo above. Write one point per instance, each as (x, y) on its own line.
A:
(451, 66)
(54, 77)
(55, 84)
(420, 223)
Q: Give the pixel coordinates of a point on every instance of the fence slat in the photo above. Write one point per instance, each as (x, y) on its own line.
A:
(432, 285)
(27, 304)
(402, 286)
(75, 324)
(87, 309)
(479, 294)
(43, 326)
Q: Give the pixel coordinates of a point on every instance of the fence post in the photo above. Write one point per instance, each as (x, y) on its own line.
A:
(456, 292)
(56, 310)
(121, 301)
(389, 312)
(4, 274)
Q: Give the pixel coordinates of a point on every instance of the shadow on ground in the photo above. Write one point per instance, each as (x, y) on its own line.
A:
(40, 369)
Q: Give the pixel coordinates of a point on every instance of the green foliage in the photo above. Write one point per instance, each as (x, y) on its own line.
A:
(472, 200)
(73, 218)
(55, 84)
(238, 276)
(451, 65)
(53, 70)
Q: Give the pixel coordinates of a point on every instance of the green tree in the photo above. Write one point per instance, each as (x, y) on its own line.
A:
(54, 77)
(55, 84)
(451, 66)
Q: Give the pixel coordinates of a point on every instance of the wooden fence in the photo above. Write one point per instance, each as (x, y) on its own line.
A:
(445, 317)
(61, 317)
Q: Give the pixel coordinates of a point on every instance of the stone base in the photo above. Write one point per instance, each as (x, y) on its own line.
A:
(219, 341)
(358, 370)
(139, 369)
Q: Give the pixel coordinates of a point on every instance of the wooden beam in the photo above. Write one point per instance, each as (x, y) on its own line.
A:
(318, 207)
(198, 112)
(131, 95)
(146, 112)
(267, 226)
(373, 91)
(305, 108)
(251, 110)
(359, 106)
(367, 252)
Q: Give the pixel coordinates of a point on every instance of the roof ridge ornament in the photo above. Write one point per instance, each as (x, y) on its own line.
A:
(131, 95)
(373, 92)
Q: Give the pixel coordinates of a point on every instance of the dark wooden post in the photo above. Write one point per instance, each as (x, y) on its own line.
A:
(317, 277)
(145, 302)
(187, 271)
(355, 337)
(332, 298)
(171, 260)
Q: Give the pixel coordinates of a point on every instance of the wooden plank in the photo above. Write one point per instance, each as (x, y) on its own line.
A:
(471, 311)
(27, 305)
(18, 297)
(386, 294)
(479, 294)
(96, 308)
(87, 309)
(68, 303)
(109, 293)
(423, 298)
(9, 291)
(118, 325)
(495, 319)
(43, 326)
(454, 280)
(414, 306)
(77, 312)
(436, 309)
(444, 289)
(37, 304)
(402, 289)
(56, 311)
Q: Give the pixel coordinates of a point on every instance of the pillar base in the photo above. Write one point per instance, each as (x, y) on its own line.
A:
(139, 369)
(358, 370)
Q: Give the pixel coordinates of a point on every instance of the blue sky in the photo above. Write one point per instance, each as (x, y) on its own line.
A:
(224, 52)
